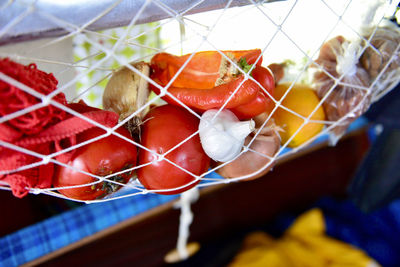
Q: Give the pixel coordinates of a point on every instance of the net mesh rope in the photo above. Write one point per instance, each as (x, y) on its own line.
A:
(200, 33)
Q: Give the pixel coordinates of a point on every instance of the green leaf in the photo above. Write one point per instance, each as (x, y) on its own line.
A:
(100, 56)
(92, 96)
(87, 46)
(246, 67)
(142, 39)
(77, 58)
(103, 83)
(79, 85)
(128, 52)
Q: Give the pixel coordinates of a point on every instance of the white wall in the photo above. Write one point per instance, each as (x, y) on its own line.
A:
(48, 57)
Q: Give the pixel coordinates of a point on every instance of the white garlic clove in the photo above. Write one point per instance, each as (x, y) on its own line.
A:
(222, 137)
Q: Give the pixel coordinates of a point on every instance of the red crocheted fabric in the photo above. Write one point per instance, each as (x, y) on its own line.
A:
(16, 99)
(38, 132)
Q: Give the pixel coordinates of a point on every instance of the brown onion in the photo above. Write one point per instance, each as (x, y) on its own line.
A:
(127, 91)
(346, 101)
(384, 42)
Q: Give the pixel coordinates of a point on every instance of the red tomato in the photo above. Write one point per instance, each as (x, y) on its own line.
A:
(263, 102)
(255, 107)
(265, 77)
(165, 127)
(102, 157)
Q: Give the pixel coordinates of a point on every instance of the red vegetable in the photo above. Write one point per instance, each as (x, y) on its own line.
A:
(263, 102)
(102, 157)
(195, 85)
(201, 71)
(164, 128)
(255, 107)
(216, 97)
(265, 77)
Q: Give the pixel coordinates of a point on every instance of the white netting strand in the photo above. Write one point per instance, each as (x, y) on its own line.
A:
(329, 61)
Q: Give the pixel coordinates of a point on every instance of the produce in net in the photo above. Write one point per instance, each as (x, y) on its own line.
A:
(172, 158)
(110, 158)
(342, 83)
(200, 70)
(300, 116)
(53, 130)
(127, 90)
(208, 80)
(215, 65)
(263, 144)
(222, 135)
(381, 58)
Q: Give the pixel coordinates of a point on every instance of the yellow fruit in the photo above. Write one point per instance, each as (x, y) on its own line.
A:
(301, 99)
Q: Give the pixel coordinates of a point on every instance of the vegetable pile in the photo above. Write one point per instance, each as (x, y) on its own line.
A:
(167, 123)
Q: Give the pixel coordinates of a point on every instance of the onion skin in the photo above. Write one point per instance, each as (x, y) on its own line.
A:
(278, 69)
(267, 143)
(127, 91)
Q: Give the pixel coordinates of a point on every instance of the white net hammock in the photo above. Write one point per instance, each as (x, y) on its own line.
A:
(331, 61)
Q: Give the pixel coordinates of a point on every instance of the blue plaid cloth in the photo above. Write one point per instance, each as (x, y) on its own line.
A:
(68, 227)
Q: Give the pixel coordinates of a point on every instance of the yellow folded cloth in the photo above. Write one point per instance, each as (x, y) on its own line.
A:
(303, 244)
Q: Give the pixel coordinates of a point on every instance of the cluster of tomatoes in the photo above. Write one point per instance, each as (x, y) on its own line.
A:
(170, 159)
(115, 158)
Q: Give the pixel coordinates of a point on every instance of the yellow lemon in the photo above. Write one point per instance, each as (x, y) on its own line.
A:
(302, 100)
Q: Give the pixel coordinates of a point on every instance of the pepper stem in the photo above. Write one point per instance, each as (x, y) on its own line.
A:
(246, 67)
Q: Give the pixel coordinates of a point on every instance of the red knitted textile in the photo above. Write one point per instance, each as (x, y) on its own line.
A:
(15, 99)
(39, 131)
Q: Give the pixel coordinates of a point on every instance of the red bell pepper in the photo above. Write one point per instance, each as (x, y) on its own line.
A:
(200, 72)
(195, 87)
(216, 97)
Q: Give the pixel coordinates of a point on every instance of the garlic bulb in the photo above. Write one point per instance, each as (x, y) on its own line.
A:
(222, 137)
(127, 91)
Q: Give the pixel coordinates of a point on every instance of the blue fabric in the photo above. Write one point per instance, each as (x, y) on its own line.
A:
(66, 228)
(376, 233)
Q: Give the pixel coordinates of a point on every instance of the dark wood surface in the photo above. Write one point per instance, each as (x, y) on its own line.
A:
(222, 211)
(18, 213)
